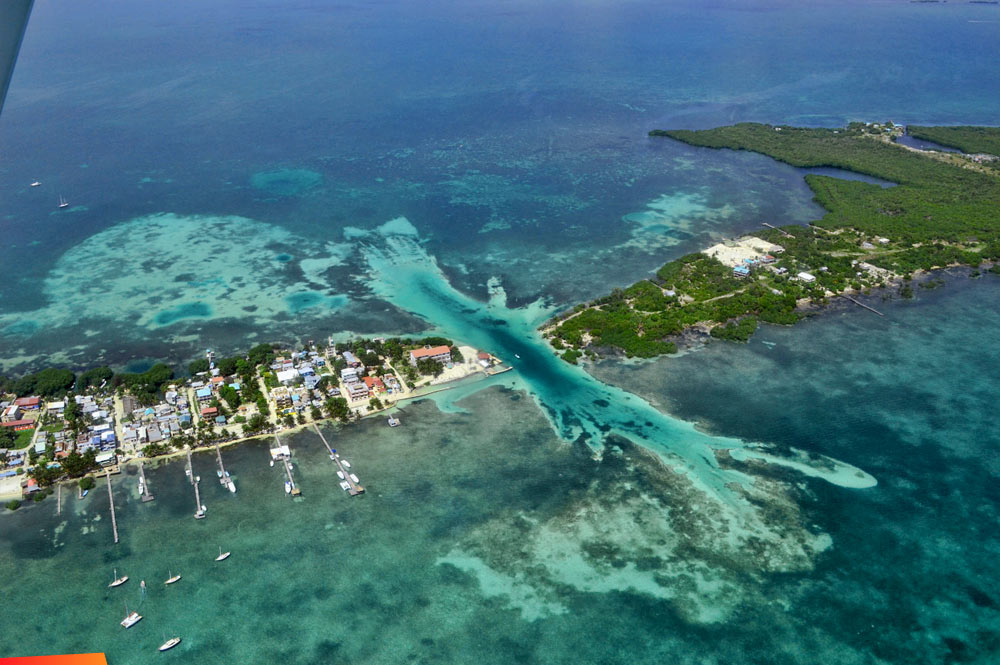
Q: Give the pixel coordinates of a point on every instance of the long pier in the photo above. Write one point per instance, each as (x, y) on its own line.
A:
(861, 304)
(111, 500)
(354, 488)
(315, 427)
(146, 496)
(781, 231)
(286, 460)
(197, 498)
(188, 470)
(59, 499)
(224, 478)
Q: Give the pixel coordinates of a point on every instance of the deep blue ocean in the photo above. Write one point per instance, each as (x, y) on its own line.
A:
(241, 172)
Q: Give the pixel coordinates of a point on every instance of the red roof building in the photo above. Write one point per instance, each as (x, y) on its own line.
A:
(18, 425)
(28, 402)
(374, 384)
(209, 411)
(441, 354)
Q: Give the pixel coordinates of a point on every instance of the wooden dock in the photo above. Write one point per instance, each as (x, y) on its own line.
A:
(111, 500)
(354, 489)
(861, 304)
(200, 510)
(781, 231)
(286, 459)
(146, 496)
(59, 499)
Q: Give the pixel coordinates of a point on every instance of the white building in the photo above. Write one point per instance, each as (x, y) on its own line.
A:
(806, 277)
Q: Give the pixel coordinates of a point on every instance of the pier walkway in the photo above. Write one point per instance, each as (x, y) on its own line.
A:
(354, 488)
(111, 500)
(146, 495)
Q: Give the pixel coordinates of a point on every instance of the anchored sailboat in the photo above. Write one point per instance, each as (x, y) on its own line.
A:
(222, 555)
(62, 202)
(171, 578)
(131, 618)
(118, 581)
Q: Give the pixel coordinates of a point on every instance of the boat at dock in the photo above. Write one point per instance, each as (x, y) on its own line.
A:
(288, 487)
(222, 555)
(170, 644)
(231, 485)
(340, 474)
(172, 578)
(131, 618)
(355, 478)
(345, 486)
(393, 422)
(200, 513)
(118, 581)
(347, 465)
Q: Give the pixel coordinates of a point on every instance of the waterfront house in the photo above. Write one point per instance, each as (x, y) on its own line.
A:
(440, 354)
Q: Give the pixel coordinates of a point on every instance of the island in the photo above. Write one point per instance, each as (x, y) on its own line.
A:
(57, 426)
(924, 210)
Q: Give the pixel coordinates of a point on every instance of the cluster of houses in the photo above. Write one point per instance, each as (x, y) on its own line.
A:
(143, 425)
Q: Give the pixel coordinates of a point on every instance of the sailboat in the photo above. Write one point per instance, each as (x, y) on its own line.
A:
(62, 202)
(222, 555)
(118, 581)
(171, 578)
(131, 618)
(170, 644)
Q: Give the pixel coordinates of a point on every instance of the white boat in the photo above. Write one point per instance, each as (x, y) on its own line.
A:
(271, 463)
(118, 581)
(140, 486)
(340, 474)
(288, 487)
(170, 644)
(517, 356)
(35, 184)
(345, 486)
(222, 555)
(62, 202)
(231, 485)
(131, 618)
(219, 473)
(347, 465)
(172, 578)
(142, 585)
(393, 422)
(333, 457)
(200, 514)
(355, 478)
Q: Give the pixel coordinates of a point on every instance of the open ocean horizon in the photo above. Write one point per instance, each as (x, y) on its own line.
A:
(283, 172)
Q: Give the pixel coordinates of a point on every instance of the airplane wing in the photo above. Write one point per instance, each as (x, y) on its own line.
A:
(13, 20)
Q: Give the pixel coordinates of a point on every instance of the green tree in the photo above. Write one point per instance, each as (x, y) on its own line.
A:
(230, 395)
(375, 404)
(87, 483)
(198, 366)
(13, 504)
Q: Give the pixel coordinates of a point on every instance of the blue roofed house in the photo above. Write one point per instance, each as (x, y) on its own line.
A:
(204, 394)
(220, 420)
(741, 271)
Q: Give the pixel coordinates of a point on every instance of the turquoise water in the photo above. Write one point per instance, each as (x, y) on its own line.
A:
(484, 536)
(240, 174)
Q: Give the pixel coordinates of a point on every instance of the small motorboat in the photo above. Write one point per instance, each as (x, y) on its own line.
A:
(231, 485)
(340, 474)
(345, 486)
(288, 487)
(333, 457)
(222, 555)
(118, 581)
(517, 356)
(142, 585)
(170, 644)
(200, 514)
(172, 578)
(347, 465)
(35, 184)
(393, 422)
(271, 463)
(85, 493)
(355, 478)
(131, 618)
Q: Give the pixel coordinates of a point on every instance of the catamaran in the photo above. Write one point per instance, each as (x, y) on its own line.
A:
(171, 578)
(62, 202)
(131, 618)
(222, 555)
(170, 644)
(118, 581)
